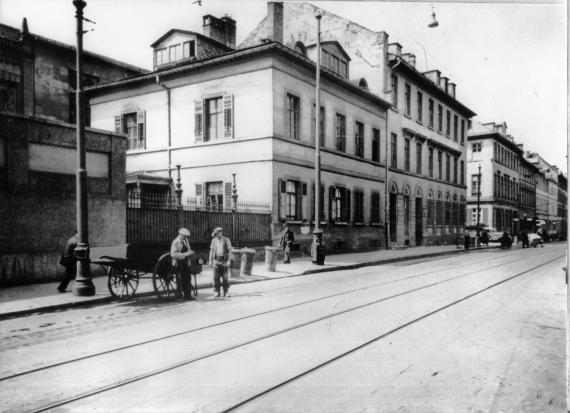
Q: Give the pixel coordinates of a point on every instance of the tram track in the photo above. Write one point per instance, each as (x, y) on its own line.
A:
(156, 372)
(246, 317)
(368, 343)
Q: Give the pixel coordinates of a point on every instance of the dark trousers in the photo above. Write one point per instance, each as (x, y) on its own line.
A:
(467, 242)
(287, 253)
(184, 282)
(70, 273)
(221, 276)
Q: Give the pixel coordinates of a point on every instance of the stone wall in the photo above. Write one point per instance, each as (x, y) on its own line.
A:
(37, 194)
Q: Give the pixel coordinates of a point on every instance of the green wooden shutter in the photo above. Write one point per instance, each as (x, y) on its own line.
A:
(228, 116)
(119, 124)
(198, 120)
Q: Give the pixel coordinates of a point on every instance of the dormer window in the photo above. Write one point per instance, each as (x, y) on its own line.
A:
(175, 53)
(334, 63)
(189, 49)
(161, 56)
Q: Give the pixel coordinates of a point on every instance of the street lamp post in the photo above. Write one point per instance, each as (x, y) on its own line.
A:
(317, 247)
(178, 192)
(478, 200)
(234, 210)
(83, 285)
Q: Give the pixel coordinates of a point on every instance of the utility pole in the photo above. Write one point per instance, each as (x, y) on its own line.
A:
(478, 200)
(83, 285)
(234, 210)
(318, 232)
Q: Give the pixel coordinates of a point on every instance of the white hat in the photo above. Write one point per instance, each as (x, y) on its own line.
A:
(184, 231)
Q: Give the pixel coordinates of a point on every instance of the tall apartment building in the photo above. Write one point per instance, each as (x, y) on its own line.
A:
(427, 123)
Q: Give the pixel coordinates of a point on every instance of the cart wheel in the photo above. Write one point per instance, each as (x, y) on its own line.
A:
(122, 283)
(165, 278)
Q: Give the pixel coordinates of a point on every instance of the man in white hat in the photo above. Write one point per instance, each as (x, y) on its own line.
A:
(180, 251)
(219, 259)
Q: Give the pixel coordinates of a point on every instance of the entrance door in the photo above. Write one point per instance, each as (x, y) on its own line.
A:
(393, 217)
(419, 221)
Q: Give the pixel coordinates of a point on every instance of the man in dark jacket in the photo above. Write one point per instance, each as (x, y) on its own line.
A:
(68, 261)
(285, 242)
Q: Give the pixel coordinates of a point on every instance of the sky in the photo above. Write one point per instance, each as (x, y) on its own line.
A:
(509, 60)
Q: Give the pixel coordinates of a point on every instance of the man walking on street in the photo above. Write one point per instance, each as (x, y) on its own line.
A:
(69, 262)
(180, 252)
(285, 242)
(219, 260)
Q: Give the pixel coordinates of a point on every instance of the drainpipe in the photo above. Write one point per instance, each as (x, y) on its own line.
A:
(169, 111)
(386, 213)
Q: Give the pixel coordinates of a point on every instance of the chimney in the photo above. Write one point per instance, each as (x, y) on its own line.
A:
(451, 89)
(443, 81)
(490, 125)
(410, 58)
(433, 75)
(222, 30)
(275, 18)
(501, 128)
(395, 49)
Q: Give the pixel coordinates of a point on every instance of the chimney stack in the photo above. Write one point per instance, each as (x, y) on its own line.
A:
(433, 75)
(410, 58)
(275, 16)
(443, 81)
(222, 30)
(451, 89)
(501, 128)
(395, 49)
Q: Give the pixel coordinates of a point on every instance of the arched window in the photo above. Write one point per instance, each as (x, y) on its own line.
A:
(300, 48)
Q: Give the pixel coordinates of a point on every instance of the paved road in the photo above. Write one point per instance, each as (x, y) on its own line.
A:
(479, 333)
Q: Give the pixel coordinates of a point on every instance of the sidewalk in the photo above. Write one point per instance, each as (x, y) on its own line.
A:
(28, 299)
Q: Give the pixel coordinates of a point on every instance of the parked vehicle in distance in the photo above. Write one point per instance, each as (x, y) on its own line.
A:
(535, 240)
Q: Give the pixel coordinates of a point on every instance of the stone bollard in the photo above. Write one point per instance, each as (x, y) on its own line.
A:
(235, 262)
(247, 255)
(270, 258)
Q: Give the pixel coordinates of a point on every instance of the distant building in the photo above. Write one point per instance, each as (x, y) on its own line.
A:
(251, 112)
(563, 205)
(38, 77)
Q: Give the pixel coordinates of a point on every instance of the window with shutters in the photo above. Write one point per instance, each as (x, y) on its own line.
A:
(358, 206)
(291, 194)
(340, 132)
(430, 162)
(375, 145)
(339, 204)
(394, 150)
(419, 158)
(408, 99)
(439, 118)
(375, 217)
(293, 116)
(394, 85)
(406, 154)
(430, 113)
(359, 139)
(132, 124)
(215, 196)
(214, 128)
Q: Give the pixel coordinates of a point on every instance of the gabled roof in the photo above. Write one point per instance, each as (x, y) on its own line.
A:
(198, 35)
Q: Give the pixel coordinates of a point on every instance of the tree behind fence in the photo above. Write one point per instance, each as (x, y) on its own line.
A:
(152, 222)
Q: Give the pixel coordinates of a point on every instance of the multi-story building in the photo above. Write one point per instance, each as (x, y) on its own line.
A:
(546, 193)
(251, 112)
(427, 124)
(499, 158)
(562, 205)
(528, 176)
(38, 77)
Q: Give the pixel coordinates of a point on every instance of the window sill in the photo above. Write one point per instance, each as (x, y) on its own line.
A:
(295, 222)
(430, 127)
(419, 122)
(359, 224)
(340, 224)
(407, 116)
(376, 224)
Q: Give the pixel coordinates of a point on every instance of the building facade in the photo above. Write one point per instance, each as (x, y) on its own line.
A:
(38, 77)
(499, 158)
(250, 112)
(427, 124)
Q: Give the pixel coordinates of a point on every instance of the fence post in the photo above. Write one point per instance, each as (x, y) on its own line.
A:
(178, 192)
(234, 210)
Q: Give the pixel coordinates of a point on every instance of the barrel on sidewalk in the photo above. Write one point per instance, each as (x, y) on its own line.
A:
(270, 258)
(247, 255)
(235, 262)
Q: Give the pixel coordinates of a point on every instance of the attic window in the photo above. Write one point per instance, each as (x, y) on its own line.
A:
(334, 63)
(300, 48)
(363, 83)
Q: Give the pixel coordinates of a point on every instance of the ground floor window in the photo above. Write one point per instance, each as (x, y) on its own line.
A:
(375, 217)
(215, 195)
(358, 206)
(291, 199)
(339, 204)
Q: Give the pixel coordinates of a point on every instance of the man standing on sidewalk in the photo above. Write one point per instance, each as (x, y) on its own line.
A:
(69, 262)
(285, 242)
(219, 260)
(180, 252)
